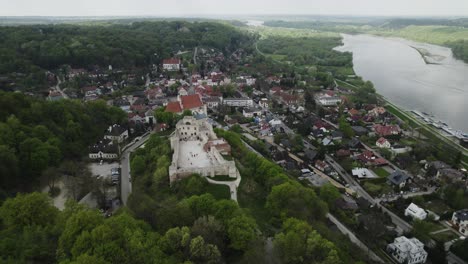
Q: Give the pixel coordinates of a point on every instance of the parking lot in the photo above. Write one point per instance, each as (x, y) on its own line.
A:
(102, 170)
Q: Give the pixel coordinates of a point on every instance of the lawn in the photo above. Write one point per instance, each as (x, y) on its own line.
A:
(444, 236)
(219, 191)
(437, 206)
(381, 172)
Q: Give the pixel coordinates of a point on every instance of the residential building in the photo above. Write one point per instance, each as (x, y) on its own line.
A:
(264, 103)
(241, 102)
(251, 112)
(460, 220)
(212, 101)
(415, 212)
(104, 150)
(172, 64)
(383, 143)
(191, 102)
(116, 133)
(407, 250)
(387, 130)
(328, 100)
(398, 178)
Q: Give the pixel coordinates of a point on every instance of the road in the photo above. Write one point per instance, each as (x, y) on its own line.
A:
(354, 239)
(125, 182)
(401, 224)
(57, 88)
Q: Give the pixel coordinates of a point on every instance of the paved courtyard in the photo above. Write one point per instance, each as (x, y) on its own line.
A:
(102, 170)
(192, 155)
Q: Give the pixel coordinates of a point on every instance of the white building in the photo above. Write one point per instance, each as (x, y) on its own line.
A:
(263, 103)
(104, 150)
(242, 102)
(460, 220)
(116, 133)
(415, 212)
(251, 112)
(172, 64)
(383, 143)
(328, 100)
(407, 250)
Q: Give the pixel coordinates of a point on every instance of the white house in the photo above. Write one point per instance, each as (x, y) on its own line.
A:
(242, 102)
(212, 101)
(382, 143)
(460, 220)
(415, 212)
(407, 250)
(105, 149)
(263, 103)
(171, 64)
(328, 100)
(251, 112)
(116, 133)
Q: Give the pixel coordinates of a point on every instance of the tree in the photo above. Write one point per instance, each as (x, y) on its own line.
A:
(203, 253)
(211, 230)
(329, 194)
(138, 165)
(241, 230)
(299, 243)
(27, 210)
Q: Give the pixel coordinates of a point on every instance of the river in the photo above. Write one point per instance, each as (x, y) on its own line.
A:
(401, 75)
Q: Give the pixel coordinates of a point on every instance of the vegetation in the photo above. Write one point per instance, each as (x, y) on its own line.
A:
(37, 134)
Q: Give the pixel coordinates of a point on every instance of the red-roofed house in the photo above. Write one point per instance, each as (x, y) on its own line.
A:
(191, 102)
(172, 64)
(275, 90)
(382, 143)
(354, 112)
(383, 130)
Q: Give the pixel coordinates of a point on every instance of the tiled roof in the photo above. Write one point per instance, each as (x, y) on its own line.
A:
(173, 107)
(171, 61)
(191, 101)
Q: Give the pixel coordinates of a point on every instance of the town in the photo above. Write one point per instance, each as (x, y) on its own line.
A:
(199, 111)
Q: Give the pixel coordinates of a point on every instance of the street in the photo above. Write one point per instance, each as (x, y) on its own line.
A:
(125, 182)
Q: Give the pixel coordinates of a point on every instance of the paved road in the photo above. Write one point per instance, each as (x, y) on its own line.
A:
(401, 224)
(353, 238)
(125, 180)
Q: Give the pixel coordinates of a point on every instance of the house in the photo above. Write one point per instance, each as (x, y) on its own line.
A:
(460, 220)
(398, 178)
(264, 103)
(451, 175)
(346, 203)
(407, 250)
(354, 143)
(191, 102)
(310, 154)
(415, 212)
(54, 95)
(342, 153)
(354, 112)
(377, 111)
(359, 130)
(321, 165)
(211, 101)
(337, 135)
(241, 102)
(154, 93)
(116, 133)
(363, 173)
(251, 112)
(275, 90)
(105, 149)
(382, 143)
(328, 100)
(172, 64)
(387, 130)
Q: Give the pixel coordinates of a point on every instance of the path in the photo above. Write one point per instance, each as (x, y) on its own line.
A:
(353, 238)
(231, 184)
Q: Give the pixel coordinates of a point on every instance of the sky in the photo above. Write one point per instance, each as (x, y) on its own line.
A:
(232, 7)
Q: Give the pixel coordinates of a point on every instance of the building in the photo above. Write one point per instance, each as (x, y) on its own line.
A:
(327, 100)
(263, 103)
(460, 221)
(172, 64)
(407, 250)
(191, 102)
(116, 133)
(387, 130)
(197, 150)
(251, 112)
(104, 150)
(383, 143)
(398, 178)
(240, 102)
(211, 102)
(415, 212)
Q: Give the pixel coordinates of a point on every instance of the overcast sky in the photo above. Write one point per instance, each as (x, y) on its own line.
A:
(232, 7)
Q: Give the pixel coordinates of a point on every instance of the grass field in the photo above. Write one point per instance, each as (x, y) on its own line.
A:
(219, 191)
(381, 172)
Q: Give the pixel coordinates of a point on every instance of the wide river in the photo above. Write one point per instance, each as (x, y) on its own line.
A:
(401, 75)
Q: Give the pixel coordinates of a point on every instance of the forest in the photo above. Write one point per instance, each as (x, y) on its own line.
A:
(32, 50)
(37, 134)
